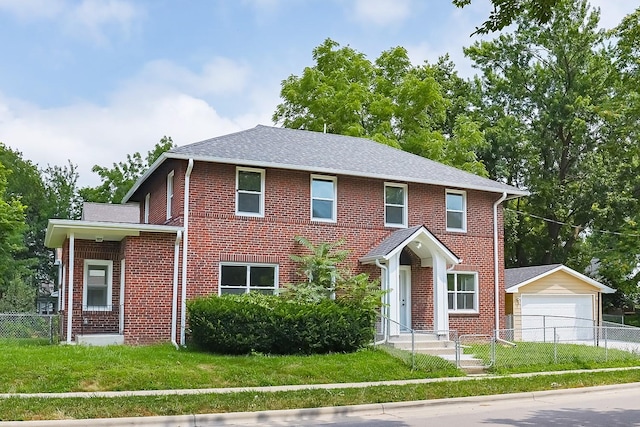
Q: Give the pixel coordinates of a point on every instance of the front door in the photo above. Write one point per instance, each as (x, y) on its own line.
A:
(405, 298)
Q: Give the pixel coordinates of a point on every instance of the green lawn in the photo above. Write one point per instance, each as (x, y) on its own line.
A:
(539, 357)
(40, 368)
(27, 367)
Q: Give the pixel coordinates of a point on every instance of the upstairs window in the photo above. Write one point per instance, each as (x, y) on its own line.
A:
(462, 292)
(245, 278)
(323, 198)
(97, 285)
(456, 210)
(250, 192)
(395, 205)
(169, 194)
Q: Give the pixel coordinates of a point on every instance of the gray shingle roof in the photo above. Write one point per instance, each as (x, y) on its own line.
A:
(328, 153)
(515, 276)
(391, 242)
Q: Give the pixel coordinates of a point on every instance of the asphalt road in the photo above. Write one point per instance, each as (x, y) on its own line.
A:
(606, 408)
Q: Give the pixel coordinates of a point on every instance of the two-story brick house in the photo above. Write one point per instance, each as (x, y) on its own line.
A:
(220, 216)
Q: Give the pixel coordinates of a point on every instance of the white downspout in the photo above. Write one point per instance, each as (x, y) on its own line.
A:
(72, 249)
(185, 215)
(385, 307)
(496, 272)
(174, 300)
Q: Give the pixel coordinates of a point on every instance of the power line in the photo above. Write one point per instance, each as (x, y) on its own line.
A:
(591, 230)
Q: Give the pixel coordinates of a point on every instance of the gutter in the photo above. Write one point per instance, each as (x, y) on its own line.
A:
(174, 300)
(496, 271)
(185, 246)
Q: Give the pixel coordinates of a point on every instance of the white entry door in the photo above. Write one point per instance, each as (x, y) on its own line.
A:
(405, 298)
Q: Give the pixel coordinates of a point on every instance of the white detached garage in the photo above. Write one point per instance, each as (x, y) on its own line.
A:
(548, 299)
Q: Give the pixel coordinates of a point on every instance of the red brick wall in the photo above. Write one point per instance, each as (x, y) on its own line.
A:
(85, 321)
(216, 235)
(148, 287)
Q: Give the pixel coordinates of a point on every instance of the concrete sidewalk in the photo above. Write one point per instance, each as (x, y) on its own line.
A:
(293, 415)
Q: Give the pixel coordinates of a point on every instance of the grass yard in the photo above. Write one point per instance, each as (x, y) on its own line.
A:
(82, 408)
(543, 357)
(42, 368)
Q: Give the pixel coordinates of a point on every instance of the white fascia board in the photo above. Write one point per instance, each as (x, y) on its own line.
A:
(602, 288)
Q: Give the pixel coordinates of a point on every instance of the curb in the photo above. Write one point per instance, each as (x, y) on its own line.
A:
(307, 414)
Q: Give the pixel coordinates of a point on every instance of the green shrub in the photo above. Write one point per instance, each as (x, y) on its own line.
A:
(242, 324)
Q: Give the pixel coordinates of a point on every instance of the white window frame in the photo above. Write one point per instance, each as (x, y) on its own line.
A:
(405, 205)
(147, 198)
(334, 200)
(248, 276)
(476, 292)
(169, 193)
(463, 211)
(85, 287)
(261, 192)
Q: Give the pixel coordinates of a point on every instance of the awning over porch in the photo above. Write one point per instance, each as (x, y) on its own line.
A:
(421, 242)
(432, 253)
(59, 230)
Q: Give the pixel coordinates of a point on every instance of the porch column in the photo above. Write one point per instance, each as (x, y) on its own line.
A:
(394, 294)
(72, 259)
(440, 301)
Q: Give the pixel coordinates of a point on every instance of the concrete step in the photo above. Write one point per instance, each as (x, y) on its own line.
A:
(437, 351)
(423, 345)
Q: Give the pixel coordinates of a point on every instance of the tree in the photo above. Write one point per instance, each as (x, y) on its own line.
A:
(389, 101)
(506, 12)
(117, 180)
(12, 230)
(548, 110)
(21, 185)
(61, 190)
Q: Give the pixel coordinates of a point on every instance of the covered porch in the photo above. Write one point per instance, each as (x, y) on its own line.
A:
(416, 250)
(100, 275)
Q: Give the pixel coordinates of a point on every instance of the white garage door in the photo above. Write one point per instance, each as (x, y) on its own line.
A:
(570, 317)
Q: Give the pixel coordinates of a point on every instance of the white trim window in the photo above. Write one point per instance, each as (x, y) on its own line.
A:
(462, 292)
(169, 194)
(395, 205)
(237, 278)
(249, 191)
(147, 199)
(456, 202)
(98, 283)
(323, 198)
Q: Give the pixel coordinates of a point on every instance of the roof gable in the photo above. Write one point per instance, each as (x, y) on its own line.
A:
(265, 146)
(516, 278)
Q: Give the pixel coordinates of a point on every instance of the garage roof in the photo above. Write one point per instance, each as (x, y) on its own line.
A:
(515, 278)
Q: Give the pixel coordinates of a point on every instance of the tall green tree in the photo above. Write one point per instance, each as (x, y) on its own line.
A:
(506, 12)
(388, 100)
(548, 109)
(12, 230)
(618, 250)
(117, 180)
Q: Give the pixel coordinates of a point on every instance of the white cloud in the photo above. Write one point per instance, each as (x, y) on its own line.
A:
(612, 11)
(382, 12)
(133, 118)
(218, 76)
(86, 20)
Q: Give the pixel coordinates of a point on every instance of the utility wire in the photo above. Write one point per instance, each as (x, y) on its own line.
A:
(615, 233)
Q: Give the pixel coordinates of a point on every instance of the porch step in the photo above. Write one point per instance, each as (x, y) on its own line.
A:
(467, 363)
(100, 339)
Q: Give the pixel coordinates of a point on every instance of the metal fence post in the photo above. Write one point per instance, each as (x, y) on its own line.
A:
(544, 328)
(413, 350)
(606, 347)
(555, 346)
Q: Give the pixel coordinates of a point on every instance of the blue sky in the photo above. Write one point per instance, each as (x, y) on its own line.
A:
(94, 80)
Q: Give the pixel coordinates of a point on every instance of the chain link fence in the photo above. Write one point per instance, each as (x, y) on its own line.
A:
(27, 326)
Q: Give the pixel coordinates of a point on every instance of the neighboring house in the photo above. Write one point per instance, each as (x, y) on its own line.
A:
(552, 296)
(220, 216)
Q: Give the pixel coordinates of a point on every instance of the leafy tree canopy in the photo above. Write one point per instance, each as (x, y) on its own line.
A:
(117, 180)
(388, 100)
(506, 12)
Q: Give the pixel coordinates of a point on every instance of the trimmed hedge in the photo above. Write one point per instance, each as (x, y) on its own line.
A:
(242, 324)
